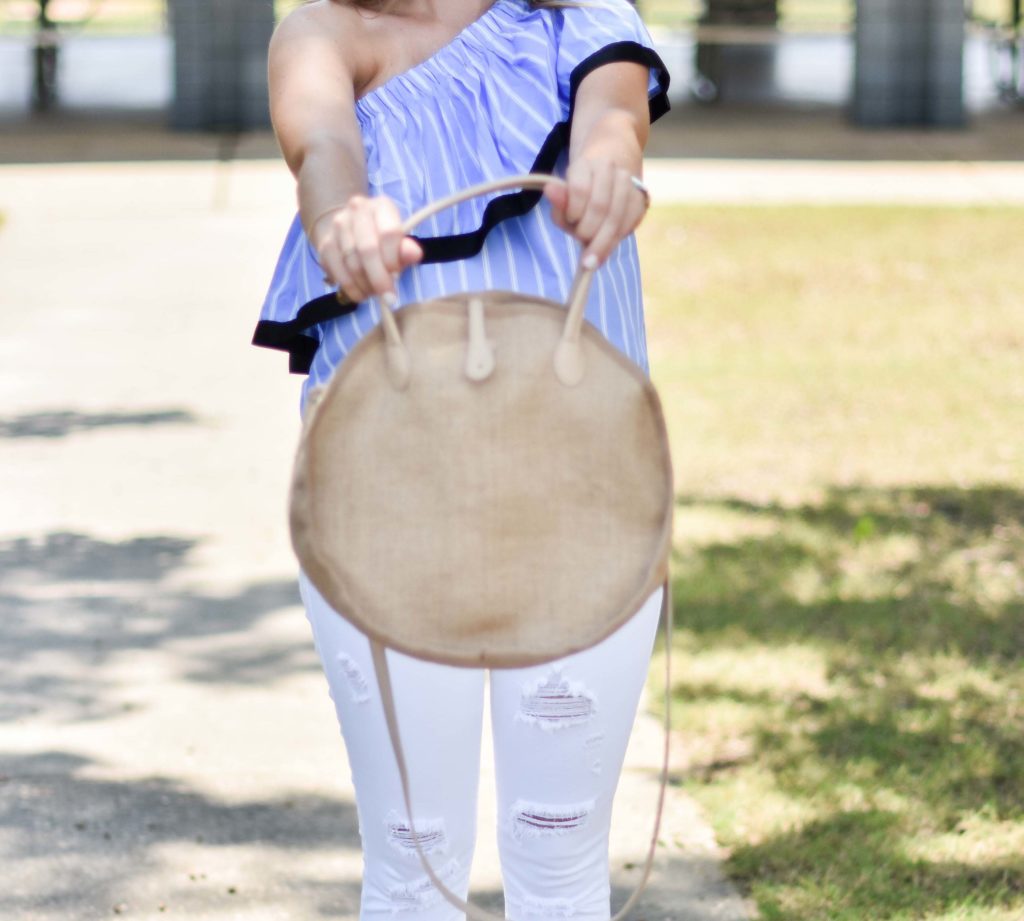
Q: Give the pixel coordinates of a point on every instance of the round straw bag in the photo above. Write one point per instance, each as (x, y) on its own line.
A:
(485, 481)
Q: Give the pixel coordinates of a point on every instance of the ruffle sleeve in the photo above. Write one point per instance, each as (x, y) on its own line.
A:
(598, 32)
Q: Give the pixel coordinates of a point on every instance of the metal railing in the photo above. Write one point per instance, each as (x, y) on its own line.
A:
(750, 21)
(714, 24)
(47, 35)
(721, 23)
(1004, 39)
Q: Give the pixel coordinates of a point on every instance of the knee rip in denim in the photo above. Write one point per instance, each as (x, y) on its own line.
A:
(555, 702)
(546, 908)
(535, 820)
(421, 894)
(430, 832)
(358, 688)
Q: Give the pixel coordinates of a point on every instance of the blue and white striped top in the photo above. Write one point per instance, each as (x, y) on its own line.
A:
(496, 101)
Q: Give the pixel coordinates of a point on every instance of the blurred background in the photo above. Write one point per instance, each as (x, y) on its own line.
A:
(198, 65)
(835, 312)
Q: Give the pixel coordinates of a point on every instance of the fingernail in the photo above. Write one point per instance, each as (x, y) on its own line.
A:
(590, 262)
(389, 299)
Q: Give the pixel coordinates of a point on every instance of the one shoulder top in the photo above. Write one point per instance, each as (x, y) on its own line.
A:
(496, 101)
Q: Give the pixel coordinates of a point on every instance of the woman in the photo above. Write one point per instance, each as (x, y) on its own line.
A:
(379, 109)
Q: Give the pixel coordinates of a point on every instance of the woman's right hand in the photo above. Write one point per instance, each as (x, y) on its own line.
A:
(361, 247)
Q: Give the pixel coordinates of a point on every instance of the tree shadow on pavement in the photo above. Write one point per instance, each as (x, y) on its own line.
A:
(75, 846)
(71, 603)
(78, 839)
(61, 423)
(683, 887)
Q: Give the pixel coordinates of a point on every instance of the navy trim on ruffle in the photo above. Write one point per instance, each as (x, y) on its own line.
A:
(291, 335)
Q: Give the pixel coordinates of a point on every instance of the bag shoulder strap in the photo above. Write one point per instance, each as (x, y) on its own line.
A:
(473, 912)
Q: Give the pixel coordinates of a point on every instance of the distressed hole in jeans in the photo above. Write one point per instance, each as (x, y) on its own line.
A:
(532, 820)
(420, 894)
(359, 690)
(547, 908)
(555, 702)
(429, 831)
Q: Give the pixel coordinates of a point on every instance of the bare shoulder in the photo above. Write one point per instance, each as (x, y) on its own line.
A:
(335, 16)
(324, 27)
(316, 60)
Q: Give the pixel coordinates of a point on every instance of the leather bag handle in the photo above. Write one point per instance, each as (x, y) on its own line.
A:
(380, 664)
(568, 359)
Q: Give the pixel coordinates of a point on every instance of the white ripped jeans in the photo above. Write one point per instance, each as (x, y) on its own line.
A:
(560, 734)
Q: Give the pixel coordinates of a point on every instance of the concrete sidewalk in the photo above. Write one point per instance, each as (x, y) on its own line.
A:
(835, 182)
(733, 132)
(167, 746)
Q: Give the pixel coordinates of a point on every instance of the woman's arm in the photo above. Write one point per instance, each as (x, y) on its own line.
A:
(611, 123)
(312, 60)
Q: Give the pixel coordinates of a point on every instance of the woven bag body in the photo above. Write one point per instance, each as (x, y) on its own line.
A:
(498, 522)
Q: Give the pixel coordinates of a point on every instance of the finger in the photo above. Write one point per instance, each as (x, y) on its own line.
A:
(347, 286)
(324, 229)
(343, 245)
(389, 231)
(557, 195)
(364, 226)
(326, 246)
(332, 264)
(558, 219)
(614, 227)
(598, 205)
(347, 289)
(360, 284)
(410, 252)
(636, 210)
(579, 179)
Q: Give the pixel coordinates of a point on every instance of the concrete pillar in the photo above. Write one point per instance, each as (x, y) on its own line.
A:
(220, 63)
(909, 63)
(748, 65)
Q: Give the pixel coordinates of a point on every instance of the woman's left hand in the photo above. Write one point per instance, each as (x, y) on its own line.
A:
(599, 205)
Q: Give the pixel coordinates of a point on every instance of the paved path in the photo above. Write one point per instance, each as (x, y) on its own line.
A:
(737, 131)
(167, 747)
(747, 182)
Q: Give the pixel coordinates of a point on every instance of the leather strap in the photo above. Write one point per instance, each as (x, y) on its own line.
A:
(568, 358)
(380, 664)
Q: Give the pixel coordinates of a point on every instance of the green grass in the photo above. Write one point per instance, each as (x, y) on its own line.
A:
(845, 396)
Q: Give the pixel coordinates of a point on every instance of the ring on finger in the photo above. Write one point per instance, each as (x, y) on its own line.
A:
(639, 185)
